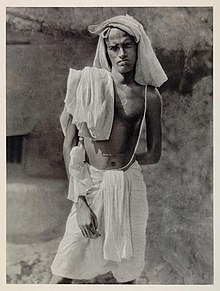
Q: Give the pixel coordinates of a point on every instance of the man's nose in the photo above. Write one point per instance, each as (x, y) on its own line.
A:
(122, 52)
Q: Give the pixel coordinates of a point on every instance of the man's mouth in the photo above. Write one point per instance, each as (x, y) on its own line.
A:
(125, 61)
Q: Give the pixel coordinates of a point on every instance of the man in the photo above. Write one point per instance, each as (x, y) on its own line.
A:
(105, 109)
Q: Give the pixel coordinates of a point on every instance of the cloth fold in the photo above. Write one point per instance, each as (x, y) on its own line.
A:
(117, 243)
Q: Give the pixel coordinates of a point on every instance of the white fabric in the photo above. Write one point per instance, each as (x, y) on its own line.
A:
(90, 101)
(79, 179)
(148, 70)
(117, 243)
(82, 258)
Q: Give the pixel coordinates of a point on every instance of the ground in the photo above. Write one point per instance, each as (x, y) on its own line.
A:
(30, 264)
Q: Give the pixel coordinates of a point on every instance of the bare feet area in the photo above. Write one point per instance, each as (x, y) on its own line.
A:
(30, 264)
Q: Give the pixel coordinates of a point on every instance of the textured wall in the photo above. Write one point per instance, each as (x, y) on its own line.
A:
(36, 76)
(44, 42)
(180, 187)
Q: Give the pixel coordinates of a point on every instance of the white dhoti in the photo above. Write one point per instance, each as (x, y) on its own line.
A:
(122, 221)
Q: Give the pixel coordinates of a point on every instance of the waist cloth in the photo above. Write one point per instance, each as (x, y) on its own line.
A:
(119, 200)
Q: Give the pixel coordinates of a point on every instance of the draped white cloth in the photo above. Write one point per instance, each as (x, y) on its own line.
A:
(90, 101)
(119, 200)
(117, 243)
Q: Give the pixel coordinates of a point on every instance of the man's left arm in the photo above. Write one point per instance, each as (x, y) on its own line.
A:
(154, 130)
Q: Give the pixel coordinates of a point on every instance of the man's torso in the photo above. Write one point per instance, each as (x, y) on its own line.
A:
(118, 150)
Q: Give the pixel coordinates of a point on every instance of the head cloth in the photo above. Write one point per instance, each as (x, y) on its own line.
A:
(148, 70)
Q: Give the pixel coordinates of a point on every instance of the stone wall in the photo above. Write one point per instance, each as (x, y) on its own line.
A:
(44, 42)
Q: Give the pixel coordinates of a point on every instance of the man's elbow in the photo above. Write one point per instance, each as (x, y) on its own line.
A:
(156, 157)
(66, 149)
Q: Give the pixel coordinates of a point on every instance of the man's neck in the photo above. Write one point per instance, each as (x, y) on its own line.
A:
(123, 79)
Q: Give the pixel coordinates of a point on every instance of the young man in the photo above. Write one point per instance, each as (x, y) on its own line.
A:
(105, 109)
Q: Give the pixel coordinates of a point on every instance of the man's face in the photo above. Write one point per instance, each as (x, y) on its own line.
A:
(122, 51)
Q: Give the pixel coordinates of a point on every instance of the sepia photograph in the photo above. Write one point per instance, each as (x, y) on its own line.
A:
(109, 145)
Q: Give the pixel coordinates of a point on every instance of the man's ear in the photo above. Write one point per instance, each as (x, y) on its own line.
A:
(106, 52)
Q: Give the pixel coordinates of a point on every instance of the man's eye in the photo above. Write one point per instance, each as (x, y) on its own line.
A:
(129, 44)
(113, 48)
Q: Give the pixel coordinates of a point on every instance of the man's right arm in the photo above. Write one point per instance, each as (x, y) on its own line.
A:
(154, 130)
(71, 139)
(86, 218)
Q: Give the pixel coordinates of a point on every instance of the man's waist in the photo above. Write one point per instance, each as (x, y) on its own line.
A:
(111, 161)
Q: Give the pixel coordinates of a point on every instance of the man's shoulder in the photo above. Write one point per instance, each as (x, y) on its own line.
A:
(94, 71)
(88, 75)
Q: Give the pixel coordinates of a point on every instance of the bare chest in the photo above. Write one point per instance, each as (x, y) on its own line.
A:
(129, 104)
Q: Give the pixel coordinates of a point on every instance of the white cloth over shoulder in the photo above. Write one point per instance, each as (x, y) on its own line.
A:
(90, 101)
(92, 120)
(148, 70)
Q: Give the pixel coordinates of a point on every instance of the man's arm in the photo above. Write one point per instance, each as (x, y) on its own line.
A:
(154, 131)
(86, 218)
(71, 139)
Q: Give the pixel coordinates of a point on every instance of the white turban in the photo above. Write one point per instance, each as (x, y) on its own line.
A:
(148, 70)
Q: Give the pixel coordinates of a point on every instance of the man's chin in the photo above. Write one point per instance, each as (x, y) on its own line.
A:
(124, 69)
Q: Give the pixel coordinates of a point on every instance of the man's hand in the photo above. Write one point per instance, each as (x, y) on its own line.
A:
(86, 218)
